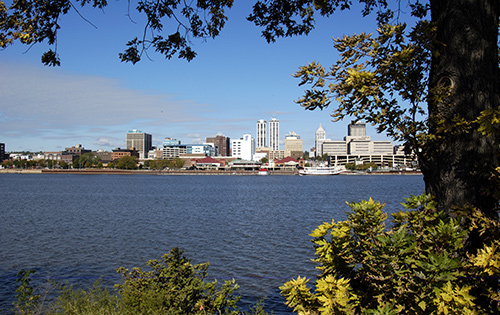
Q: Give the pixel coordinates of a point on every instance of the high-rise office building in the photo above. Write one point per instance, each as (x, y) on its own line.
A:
(261, 133)
(320, 138)
(222, 144)
(356, 129)
(274, 134)
(140, 141)
(293, 145)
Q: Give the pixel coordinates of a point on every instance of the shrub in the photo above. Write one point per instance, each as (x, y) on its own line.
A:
(417, 266)
(172, 286)
(175, 286)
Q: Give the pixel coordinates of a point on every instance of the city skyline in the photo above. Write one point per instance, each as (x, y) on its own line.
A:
(158, 142)
(93, 98)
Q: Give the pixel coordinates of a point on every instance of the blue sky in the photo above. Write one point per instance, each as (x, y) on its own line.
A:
(93, 99)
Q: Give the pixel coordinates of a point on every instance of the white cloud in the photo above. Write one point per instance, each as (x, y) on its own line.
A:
(51, 105)
(108, 143)
(51, 98)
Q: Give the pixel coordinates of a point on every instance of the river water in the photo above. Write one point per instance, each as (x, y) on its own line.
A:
(255, 229)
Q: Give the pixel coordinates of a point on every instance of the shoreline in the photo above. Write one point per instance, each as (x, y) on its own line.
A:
(185, 172)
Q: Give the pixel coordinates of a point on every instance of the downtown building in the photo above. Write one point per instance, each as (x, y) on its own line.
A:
(243, 148)
(274, 134)
(140, 141)
(293, 146)
(358, 148)
(320, 137)
(222, 145)
(2, 152)
(261, 134)
(172, 148)
(268, 134)
(68, 155)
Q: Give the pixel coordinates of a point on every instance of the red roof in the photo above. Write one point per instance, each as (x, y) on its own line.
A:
(286, 160)
(208, 160)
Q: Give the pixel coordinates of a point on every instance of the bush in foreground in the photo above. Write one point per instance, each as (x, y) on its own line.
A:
(418, 266)
(172, 285)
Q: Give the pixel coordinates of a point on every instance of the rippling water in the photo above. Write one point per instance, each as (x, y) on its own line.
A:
(250, 228)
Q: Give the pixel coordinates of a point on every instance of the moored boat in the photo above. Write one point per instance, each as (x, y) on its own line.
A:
(263, 171)
(320, 170)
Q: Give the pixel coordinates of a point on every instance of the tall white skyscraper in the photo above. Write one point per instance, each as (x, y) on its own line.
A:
(274, 134)
(320, 138)
(261, 133)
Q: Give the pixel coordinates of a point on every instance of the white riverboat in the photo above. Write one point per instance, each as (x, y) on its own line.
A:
(321, 170)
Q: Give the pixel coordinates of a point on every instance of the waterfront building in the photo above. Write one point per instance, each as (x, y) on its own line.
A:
(207, 149)
(222, 145)
(358, 148)
(274, 134)
(154, 154)
(169, 142)
(382, 147)
(261, 153)
(104, 156)
(293, 145)
(140, 141)
(264, 152)
(59, 156)
(334, 147)
(320, 137)
(286, 162)
(278, 154)
(119, 153)
(68, 155)
(261, 133)
(2, 152)
(258, 156)
(173, 151)
(77, 150)
(243, 148)
(209, 163)
(173, 148)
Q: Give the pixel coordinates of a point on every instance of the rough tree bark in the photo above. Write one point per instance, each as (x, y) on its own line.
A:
(464, 80)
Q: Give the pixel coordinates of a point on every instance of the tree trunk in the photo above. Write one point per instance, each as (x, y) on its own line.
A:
(464, 81)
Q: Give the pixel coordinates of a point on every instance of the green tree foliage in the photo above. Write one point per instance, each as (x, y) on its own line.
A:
(172, 285)
(27, 301)
(361, 167)
(178, 163)
(169, 27)
(433, 85)
(125, 163)
(372, 76)
(87, 160)
(95, 300)
(175, 286)
(417, 266)
(25, 164)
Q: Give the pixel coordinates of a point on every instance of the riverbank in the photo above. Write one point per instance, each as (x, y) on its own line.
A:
(182, 172)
